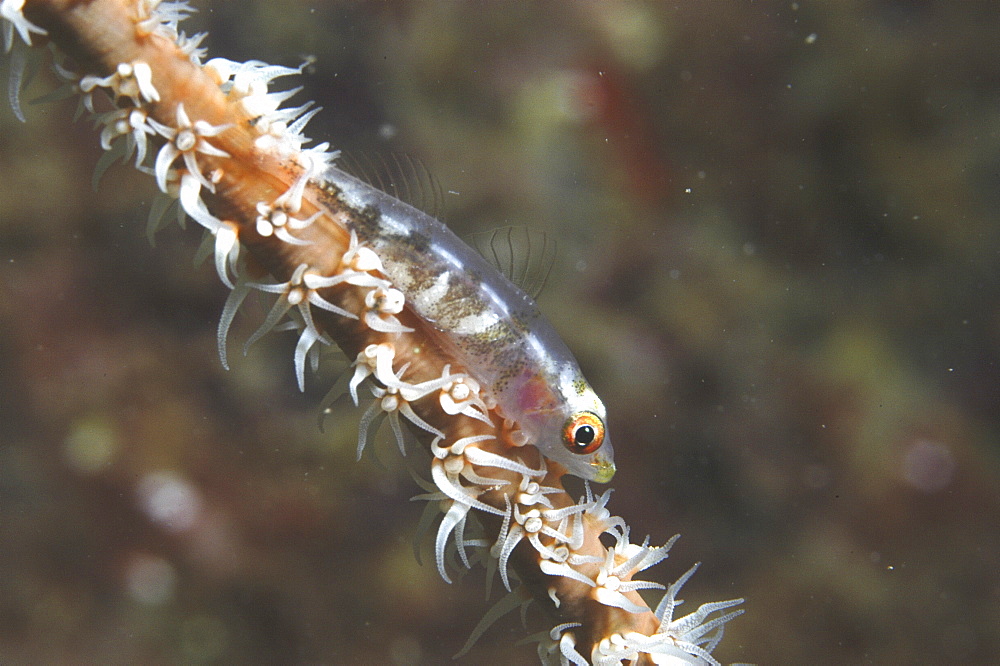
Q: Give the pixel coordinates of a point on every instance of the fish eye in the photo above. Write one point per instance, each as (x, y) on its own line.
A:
(583, 433)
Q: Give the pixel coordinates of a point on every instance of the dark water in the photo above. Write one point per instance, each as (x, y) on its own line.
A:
(778, 264)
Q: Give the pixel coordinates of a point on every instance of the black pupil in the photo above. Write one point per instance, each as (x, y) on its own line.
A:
(585, 434)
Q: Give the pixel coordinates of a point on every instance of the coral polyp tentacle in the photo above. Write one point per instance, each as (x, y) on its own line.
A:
(227, 251)
(12, 12)
(455, 517)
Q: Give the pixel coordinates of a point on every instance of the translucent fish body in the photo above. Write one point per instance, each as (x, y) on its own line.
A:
(495, 330)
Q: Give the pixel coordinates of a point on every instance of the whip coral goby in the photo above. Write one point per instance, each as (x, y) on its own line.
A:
(493, 328)
(440, 340)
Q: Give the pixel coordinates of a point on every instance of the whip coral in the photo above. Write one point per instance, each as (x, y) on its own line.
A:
(234, 160)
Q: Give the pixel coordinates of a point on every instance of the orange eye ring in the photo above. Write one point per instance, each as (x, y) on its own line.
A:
(583, 433)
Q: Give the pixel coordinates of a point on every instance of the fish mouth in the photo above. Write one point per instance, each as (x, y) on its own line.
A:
(604, 470)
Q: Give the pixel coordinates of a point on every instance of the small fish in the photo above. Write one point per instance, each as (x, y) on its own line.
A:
(495, 329)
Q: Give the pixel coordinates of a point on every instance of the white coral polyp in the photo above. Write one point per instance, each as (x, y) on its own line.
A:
(130, 123)
(185, 140)
(277, 220)
(392, 403)
(382, 304)
(385, 300)
(461, 395)
(133, 80)
(360, 258)
(278, 217)
(297, 293)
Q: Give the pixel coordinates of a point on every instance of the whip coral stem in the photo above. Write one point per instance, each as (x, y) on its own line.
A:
(235, 161)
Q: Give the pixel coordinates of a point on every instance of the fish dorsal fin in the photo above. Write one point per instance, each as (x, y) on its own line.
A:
(523, 255)
(403, 176)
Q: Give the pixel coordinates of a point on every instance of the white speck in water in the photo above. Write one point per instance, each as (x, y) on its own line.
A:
(387, 131)
(170, 501)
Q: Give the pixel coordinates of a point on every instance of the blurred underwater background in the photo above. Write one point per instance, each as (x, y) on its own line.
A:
(779, 265)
